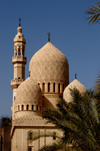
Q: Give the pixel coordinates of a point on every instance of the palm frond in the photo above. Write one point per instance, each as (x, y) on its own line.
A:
(52, 147)
(37, 135)
(97, 87)
(58, 146)
(94, 13)
(79, 122)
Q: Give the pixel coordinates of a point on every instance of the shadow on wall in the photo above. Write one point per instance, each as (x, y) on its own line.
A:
(46, 103)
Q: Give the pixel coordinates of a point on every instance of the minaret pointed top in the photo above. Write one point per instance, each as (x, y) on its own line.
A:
(75, 75)
(19, 29)
(49, 36)
(19, 22)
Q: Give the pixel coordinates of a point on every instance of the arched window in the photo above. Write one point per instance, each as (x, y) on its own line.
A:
(27, 107)
(30, 135)
(48, 87)
(54, 135)
(32, 107)
(19, 52)
(14, 97)
(29, 73)
(15, 52)
(43, 87)
(36, 107)
(59, 88)
(53, 87)
(18, 107)
(30, 148)
(22, 107)
(38, 83)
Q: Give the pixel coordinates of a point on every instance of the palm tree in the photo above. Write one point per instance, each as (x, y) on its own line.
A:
(97, 88)
(79, 122)
(58, 117)
(94, 13)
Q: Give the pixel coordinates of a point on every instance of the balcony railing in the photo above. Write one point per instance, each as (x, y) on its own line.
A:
(19, 59)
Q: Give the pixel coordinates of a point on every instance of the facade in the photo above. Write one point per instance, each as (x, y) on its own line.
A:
(49, 78)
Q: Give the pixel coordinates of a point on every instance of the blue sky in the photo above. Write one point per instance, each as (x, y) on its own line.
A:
(70, 32)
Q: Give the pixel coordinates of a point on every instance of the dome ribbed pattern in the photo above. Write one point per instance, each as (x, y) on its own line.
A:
(74, 84)
(49, 64)
(28, 93)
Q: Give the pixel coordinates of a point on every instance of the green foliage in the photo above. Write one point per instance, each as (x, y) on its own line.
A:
(94, 13)
(97, 88)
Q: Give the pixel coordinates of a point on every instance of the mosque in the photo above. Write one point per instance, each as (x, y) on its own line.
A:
(48, 78)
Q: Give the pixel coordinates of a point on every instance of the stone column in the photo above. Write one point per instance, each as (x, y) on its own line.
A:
(51, 87)
(24, 107)
(35, 107)
(41, 86)
(61, 88)
(56, 87)
(30, 107)
(46, 87)
(17, 50)
(21, 50)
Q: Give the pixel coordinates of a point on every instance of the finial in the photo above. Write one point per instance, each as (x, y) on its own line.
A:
(19, 22)
(49, 36)
(75, 76)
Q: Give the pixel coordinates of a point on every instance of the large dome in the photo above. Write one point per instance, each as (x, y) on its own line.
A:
(49, 64)
(28, 93)
(74, 84)
(28, 102)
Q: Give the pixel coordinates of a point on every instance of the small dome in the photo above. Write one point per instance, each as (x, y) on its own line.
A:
(74, 84)
(19, 37)
(49, 64)
(28, 93)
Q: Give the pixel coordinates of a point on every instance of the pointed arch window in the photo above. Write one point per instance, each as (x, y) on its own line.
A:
(27, 107)
(30, 138)
(32, 107)
(36, 107)
(19, 52)
(43, 87)
(15, 52)
(53, 87)
(22, 52)
(49, 87)
(30, 135)
(59, 88)
(30, 148)
(18, 107)
(14, 97)
(54, 135)
(22, 107)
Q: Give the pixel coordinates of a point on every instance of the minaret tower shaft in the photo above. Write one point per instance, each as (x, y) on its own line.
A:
(18, 60)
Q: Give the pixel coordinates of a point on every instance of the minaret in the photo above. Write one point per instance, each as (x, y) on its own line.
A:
(18, 60)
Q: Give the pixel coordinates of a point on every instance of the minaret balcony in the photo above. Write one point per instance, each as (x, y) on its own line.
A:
(16, 82)
(19, 59)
